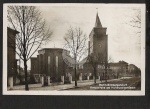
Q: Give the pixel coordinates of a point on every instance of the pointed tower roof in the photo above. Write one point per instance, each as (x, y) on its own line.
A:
(98, 23)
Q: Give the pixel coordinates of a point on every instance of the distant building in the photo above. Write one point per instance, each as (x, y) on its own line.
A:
(21, 75)
(118, 69)
(133, 70)
(34, 65)
(114, 70)
(11, 55)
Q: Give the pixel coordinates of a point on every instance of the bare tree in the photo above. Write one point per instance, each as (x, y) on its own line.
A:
(76, 43)
(33, 32)
(94, 61)
(99, 59)
(135, 21)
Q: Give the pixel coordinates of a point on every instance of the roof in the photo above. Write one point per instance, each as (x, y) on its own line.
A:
(98, 23)
(51, 49)
(132, 65)
(10, 29)
(33, 57)
(118, 63)
(122, 62)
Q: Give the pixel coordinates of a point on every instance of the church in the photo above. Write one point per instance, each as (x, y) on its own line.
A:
(49, 61)
(98, 43)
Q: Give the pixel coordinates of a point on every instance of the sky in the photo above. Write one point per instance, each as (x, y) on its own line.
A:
(123, 41)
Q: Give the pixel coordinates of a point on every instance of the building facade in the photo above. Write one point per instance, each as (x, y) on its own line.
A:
(134, 70)
(98, 48)
(118, 69)
(34, 65)
(49, 62)
(98, 40)
(11, 55)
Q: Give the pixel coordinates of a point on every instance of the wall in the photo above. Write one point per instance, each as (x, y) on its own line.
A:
(11, 55)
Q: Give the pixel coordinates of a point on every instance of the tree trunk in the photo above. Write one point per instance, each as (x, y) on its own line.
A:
(106, 77)
(24, 50)
(75, 76)
(75, 71)
(95, 75)
(106, 73)
(26, 75)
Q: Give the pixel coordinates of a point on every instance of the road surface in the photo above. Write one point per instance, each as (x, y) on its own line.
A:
(120, 84)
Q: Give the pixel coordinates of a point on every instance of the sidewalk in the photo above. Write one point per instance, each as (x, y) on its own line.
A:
(59, 86)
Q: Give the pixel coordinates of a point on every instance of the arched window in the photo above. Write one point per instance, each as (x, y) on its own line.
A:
(56, 64)
(49, 60)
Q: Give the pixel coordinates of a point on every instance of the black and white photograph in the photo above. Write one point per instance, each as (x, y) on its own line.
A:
(74, 49)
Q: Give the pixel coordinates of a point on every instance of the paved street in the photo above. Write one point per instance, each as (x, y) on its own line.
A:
(82, 85)
(128, 83)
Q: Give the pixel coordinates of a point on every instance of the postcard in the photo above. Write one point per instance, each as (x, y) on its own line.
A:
(74, 49)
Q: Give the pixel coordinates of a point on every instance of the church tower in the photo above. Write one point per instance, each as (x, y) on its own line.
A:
(98, 40)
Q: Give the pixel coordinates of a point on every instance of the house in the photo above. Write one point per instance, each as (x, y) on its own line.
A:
(11, 56)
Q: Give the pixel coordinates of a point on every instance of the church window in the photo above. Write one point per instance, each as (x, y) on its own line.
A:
(56, 64)
(49, 59)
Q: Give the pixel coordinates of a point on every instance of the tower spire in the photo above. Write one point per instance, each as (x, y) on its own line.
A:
(98, 23)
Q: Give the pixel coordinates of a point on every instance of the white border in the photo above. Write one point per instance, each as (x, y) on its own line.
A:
(81, 93)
